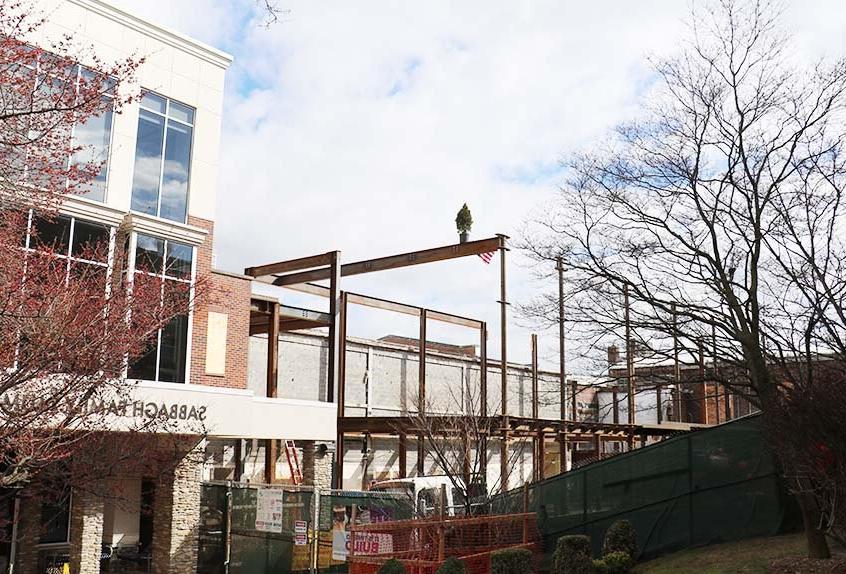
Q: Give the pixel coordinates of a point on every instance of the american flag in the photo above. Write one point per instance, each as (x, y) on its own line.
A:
(487, 257)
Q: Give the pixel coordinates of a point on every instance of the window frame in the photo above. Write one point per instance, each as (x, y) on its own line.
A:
(78, 70)
(131, 270)
(167, 119)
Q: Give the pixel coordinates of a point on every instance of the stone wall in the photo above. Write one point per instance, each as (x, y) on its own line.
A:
(86, 532)
(176, 516)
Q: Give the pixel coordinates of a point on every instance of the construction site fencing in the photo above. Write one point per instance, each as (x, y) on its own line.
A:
(708, 486)
(339, 510)
(247, 528)
(423, 544)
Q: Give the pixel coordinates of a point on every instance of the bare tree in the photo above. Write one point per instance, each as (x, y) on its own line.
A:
(720, 211)
(462, 443)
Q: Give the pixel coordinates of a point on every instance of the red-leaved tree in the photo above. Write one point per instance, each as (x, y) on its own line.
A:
(71, 319)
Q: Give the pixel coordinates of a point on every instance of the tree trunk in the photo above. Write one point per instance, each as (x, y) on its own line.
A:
(815, 538)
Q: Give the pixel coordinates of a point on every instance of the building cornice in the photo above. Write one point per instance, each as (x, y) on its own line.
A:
(180, 41)
(165, 229)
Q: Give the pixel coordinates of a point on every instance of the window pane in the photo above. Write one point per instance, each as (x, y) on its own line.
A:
(53, 233)
(175, 178)
(148, 163)
(179, 260)
(90, 241)
(55, 519)
(149, 254)
(173, 350)
(153, 102)
(181, 112)
(94, 136)
(144, 367)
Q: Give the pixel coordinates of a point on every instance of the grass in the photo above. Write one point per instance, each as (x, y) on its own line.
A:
(747, 557)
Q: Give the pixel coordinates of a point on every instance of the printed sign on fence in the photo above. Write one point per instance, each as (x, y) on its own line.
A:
(300, 527)
(269, 510)
(366, 543)
(300, 539)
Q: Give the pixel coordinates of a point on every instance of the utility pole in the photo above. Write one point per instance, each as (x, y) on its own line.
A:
(630, 370)
(561, 358)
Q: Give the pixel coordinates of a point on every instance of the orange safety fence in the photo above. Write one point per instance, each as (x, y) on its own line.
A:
(423, 544)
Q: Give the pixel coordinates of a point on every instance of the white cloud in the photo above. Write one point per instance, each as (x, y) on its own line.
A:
(364, 126)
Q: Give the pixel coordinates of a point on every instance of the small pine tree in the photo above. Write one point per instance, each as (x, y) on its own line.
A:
(464, 221)
(620, 537)
(392, 566)
(572, 556)
(452, 565)
(511, 561)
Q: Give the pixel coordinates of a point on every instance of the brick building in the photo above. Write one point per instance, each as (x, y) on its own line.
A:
(155, 201)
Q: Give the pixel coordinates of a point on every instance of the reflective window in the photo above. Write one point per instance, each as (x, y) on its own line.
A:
(84, 245)
(162, 158)
(169, 263)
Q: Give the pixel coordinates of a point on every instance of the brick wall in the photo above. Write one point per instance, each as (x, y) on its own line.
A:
(221, 293)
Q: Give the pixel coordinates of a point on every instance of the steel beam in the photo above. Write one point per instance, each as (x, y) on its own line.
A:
(397, 261)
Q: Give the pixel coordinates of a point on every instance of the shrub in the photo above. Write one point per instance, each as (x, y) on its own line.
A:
(572, 556)
(452, 565)
(511, 561)
(392, 566)
(620, 537)
(614, 563)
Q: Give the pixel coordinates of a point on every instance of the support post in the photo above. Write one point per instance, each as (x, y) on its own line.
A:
(503, 320)
(630, 370)
(677, 403)
(535, 405)
(403, 455)
(503, 457)
(270, 455)
(334, 320)
(561, 347)
(703, 400)
(575, 406)
(540, 459)
(273, 351)
(483, 370)
(616, 400)
(341, 358)
(421, 392)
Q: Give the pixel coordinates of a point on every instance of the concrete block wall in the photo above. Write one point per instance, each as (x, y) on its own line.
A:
(382, 378)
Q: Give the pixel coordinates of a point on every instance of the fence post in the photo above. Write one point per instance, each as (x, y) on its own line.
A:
(228, 536)
(315, 530)
(441, 519)
(525, 512)
(351, 553)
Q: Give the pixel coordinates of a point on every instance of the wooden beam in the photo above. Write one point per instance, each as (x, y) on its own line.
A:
(334, 332)
(342, 357)
(483, 369)
(403, 455)
(535, 404)
(397, 261)
(273, 351)
(290, 265)
(270, 455)
(421, 391)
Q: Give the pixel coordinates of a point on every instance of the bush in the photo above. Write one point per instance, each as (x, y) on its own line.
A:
(452, 565)
(620, 537)
(392, 566)
(614, 563)
(572, 556)
(511, 561)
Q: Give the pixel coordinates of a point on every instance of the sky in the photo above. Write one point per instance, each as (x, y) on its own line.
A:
(364, 126)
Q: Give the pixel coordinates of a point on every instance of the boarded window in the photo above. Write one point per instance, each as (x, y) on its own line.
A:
(216, 344)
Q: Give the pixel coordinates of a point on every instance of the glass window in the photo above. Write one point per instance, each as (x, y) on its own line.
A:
(168, 262)
(90, 241)
(58, 82)
(179, 258)
(149, 254)
(93, 136)
(52, 233)
(163, 158)
(55, 519)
